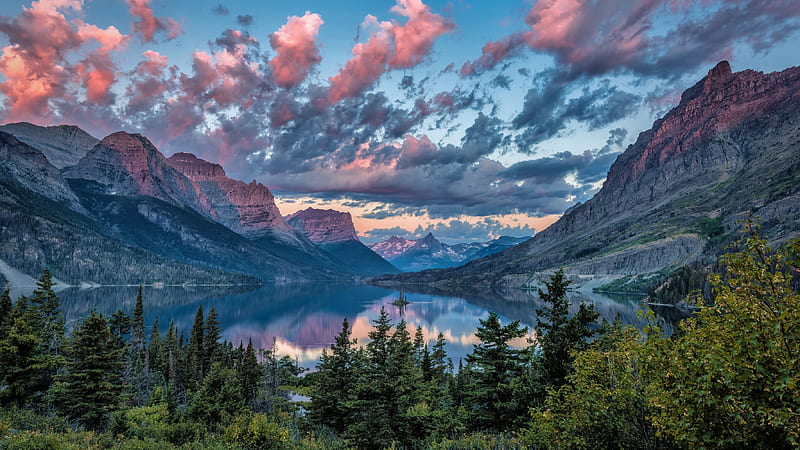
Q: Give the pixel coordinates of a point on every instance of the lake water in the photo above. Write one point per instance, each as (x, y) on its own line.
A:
(305, 318)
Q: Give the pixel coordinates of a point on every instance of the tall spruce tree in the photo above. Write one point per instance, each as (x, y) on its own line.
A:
(559, 335)
(137, 363)
(332, 388)
(6, 318)
(213, 333)
(196, 350)
(21, 356)
(249, 372)
(50, 328)
(493, 367)
(89, 390)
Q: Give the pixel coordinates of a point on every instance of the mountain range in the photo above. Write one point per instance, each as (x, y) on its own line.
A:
(729, 150)
(117, 211)
(412, 255)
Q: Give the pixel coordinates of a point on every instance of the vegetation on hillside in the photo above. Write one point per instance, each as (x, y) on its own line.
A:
(728, 379)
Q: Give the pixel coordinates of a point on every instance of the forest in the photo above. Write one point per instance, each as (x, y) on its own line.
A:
(726, 378)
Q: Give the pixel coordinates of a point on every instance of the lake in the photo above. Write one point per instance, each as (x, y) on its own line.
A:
(303, 319)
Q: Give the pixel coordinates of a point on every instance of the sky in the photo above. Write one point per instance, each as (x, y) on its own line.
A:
(468, 119)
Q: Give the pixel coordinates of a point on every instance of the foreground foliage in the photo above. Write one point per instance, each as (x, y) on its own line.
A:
(727, 379)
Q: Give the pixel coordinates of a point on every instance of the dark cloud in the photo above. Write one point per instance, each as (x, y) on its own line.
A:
(221, 10)
(244, 20)
(548, 110)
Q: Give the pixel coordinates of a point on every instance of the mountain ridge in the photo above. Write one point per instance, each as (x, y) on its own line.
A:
(728, 149)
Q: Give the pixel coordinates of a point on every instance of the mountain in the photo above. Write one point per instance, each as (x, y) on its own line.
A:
(63, 145)
(334, 232)
(247, 209)
(429, 253)
(123, 214)
(730, 148)
(130, 165)
(43, 224)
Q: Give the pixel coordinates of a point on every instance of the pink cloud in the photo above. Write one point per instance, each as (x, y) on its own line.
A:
(494, 52)
(390, 46)
(413, 41)
(147, 82)
(296, 48)
(35, 64)
(146, 24)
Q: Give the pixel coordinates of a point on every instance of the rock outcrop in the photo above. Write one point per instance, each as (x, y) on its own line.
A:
(129, 164)
(63, 145)
(248, 209)
(324, 226)
(730, 148)
(334, 232)
(28, 168)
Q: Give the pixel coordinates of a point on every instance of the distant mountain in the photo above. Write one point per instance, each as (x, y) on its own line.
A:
(729, 149)
(334, 232)
(124, 214)
(429, 253)
(63, 145)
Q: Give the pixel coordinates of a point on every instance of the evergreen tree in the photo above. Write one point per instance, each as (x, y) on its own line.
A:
(196, 350)
(219, 398)
(559, 335)
(137, 370)
(249, 374)
(494, 365)
(6, 318)
(90, 388)
(332, 388)
(50, 328)
(439, 360)
(120, 324)
(21, 355)
(213, 333)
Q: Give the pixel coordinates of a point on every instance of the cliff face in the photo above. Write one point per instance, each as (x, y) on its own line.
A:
(63, 145)
(729, 148)
(324, 226)
(129, 164)
(248, 209)
(334, 232)
(28, 169)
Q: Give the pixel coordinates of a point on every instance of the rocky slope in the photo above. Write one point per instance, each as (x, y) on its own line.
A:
(334, 232)
(429, 253)
(63, 145)
(731, 147)
(247, 209)
(129, 164)
(124, 215)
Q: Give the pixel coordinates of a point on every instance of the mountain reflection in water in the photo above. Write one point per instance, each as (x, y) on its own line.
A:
(303, 319)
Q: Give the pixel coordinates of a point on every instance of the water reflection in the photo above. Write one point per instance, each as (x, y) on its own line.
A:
(304, 319)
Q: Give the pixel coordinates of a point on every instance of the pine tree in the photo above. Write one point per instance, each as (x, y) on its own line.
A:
(333, 383)
(6, 307)
(50, 328)
(559, 335)
(219, 398)
(439, 361)
(494, 366)
(213, 333)
(21, 355)
(137, 363)
(249, 374)
(120, 324)
(196, 351)
(90, 388)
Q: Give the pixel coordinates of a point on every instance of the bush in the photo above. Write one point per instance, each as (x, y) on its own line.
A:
(257, 432)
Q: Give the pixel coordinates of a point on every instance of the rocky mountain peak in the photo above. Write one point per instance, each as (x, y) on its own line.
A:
(195, 168)
(248, 209)
(323, 226)
(63, 145)
(130, 164)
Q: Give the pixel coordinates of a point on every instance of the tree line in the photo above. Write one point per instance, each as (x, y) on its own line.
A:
(727, 378)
